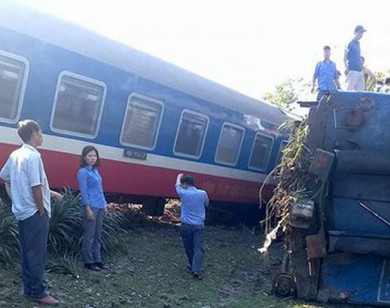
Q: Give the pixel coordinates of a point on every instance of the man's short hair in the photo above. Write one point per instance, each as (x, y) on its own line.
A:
(189, 180)
(26, 128)
(326, 47)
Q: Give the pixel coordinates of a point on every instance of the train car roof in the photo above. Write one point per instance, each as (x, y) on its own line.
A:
(30, 21)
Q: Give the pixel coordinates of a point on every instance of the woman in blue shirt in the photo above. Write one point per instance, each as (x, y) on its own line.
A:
(94, 207)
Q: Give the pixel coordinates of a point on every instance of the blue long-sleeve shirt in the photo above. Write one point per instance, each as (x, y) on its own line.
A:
(91, 188)
(326, 74)
(193, 203)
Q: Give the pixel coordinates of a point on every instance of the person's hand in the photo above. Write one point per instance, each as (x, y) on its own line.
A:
(313, 89)
(179, 177)
(57, 196)
(41, 212)
(346, 72)
(89, 213)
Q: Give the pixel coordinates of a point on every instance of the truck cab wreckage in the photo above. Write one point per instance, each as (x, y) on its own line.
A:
(338, 224)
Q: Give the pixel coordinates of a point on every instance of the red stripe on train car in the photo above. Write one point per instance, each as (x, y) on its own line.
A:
(135, 179)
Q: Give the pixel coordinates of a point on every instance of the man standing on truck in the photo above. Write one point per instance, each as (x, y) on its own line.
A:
(354, 63)
(327, 75)
(193, 214)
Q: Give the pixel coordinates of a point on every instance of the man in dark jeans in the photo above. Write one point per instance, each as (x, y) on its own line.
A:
(193, 214)
(27, 185)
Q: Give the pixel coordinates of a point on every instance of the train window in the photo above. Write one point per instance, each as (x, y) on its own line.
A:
(13, 77)
(142, 121)
(229, 144)
(261, 151)
(191, 134)
(78, 105)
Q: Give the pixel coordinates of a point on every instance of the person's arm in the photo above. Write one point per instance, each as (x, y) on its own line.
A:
(5, 174)
(82, 179)
(313, 87)
(337, 82)
(370, 75)
(8, 189)
(179, 189)
(315, 76)
(336, 78)
(346, 60)
(38, 199)
(206, 201)
(36, 178)
(56, 195)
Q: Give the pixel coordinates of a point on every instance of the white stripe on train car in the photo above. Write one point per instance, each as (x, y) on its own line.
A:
(72, 146)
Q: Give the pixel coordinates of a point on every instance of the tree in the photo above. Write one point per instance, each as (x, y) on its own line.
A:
(287, 93)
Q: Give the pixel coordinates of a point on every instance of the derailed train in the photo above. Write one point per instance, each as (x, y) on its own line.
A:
(149, 119)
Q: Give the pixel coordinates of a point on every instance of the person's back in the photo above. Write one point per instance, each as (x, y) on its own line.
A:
(193, 205)
(193, 214)
(26, 170)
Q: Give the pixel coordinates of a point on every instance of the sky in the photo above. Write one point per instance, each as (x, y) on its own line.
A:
(247, 45)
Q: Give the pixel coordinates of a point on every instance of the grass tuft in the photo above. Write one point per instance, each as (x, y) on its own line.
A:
(9, 235)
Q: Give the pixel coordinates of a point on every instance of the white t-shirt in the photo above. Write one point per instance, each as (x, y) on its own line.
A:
(24, 170)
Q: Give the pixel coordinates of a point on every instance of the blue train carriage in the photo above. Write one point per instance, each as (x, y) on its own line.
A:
(149, 119)
(346, 252)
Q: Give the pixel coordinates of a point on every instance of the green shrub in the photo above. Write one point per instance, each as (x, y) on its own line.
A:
(112, 230)
(9, 235)
(66, 227)
(66, 264)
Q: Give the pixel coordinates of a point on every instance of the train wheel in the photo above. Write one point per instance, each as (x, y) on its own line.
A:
(153, 206)
(284, 285)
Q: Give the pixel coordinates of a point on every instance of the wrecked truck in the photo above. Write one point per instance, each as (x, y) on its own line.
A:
(338, 238)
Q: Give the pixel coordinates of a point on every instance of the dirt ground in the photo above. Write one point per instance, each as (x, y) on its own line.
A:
(151, 272)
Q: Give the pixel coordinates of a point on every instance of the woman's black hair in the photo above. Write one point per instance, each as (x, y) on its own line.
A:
(84, 153)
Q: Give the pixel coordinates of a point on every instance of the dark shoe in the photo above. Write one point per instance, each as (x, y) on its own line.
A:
(48, 300)
(100, 265)
(196, 275)
(92, 267)
(189, 268)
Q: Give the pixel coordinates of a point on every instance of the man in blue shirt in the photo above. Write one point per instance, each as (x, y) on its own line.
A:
(353, 62)
(327, 76)
(193, 213)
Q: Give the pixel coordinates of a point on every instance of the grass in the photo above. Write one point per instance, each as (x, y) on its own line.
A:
(9, 242)
(152, 273)
(151, 269)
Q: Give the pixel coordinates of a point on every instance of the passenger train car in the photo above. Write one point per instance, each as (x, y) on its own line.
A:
(149, 119)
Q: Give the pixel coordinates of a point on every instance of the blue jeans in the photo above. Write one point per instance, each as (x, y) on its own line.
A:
(33, 233)
(92, 237)
(193, 241)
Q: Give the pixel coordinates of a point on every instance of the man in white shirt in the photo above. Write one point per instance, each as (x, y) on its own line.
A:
(29, 190)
